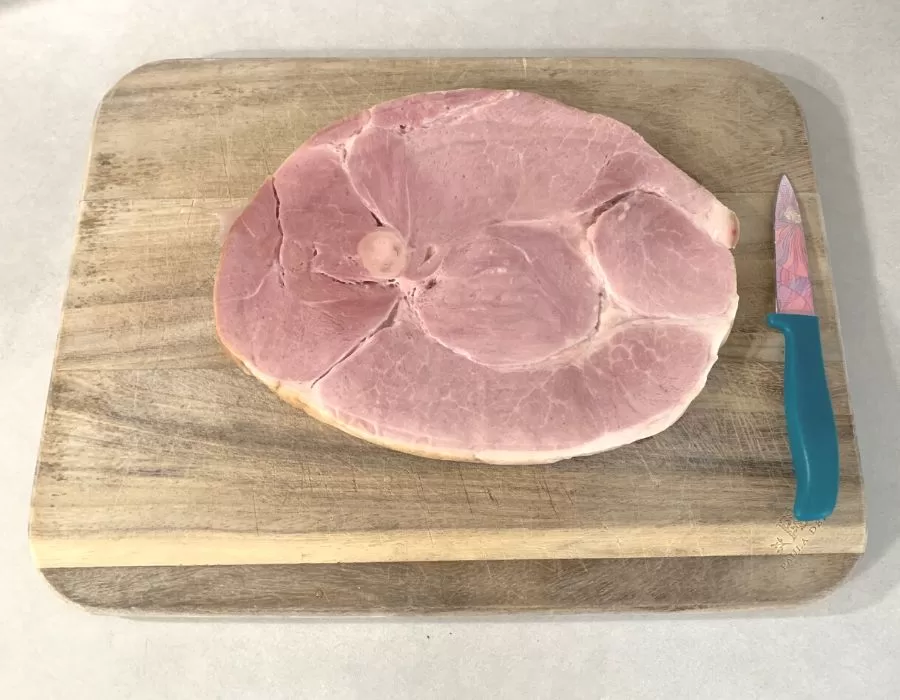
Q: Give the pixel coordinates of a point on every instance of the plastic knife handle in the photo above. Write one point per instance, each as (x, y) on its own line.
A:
(810, 416)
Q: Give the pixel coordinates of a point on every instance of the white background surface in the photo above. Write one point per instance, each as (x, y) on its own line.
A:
(841, 58)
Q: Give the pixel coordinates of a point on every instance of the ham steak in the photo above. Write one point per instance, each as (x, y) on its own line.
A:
(481, 275)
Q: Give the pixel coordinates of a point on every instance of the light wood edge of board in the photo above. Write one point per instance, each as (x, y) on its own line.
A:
(740, 65)
(199, 549)
(452, 588)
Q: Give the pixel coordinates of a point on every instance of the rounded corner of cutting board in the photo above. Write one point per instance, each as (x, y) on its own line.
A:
(139, 72)
(154, 67)
(55, 583)
(770, 82)
(69, 594)
(828, 587)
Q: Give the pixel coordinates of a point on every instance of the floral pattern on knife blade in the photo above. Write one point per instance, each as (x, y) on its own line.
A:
(793, 288)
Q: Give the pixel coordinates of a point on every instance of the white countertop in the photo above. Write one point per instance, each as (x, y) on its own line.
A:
(842, 59)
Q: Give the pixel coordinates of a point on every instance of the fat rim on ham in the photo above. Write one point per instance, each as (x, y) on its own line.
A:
(481, 275)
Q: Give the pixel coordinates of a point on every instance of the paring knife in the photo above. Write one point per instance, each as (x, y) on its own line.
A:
(807, 401)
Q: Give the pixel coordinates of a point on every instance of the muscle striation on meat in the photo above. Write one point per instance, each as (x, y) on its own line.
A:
(481, 275)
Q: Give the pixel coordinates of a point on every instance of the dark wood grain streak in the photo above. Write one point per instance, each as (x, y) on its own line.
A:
(574, 585)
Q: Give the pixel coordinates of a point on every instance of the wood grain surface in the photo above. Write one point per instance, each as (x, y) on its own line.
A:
(169, 481)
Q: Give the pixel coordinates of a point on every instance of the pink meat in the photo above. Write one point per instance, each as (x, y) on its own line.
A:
(484, 275)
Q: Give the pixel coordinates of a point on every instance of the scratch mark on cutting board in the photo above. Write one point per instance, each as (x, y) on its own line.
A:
(371, 95)
(223, 150)
(460, 78)
(264, 154)
(330, 95)
(525, 66)
(255, 516)
(190, 215)
(542, 484)
(584, 566)
(465, 489)
(422, 501)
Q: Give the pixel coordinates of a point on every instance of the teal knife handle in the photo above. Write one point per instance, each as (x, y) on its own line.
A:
(810, 416)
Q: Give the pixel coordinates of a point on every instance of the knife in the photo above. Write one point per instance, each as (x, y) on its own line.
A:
(807, 401)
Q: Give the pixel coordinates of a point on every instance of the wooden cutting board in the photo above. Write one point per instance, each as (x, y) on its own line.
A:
(170, 482)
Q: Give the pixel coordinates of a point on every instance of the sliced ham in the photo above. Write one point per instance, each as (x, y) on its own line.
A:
(481, 275)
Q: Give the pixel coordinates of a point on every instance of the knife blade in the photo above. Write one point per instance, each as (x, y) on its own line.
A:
(812, 433)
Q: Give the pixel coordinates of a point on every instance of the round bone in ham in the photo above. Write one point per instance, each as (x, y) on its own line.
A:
(481, 275)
